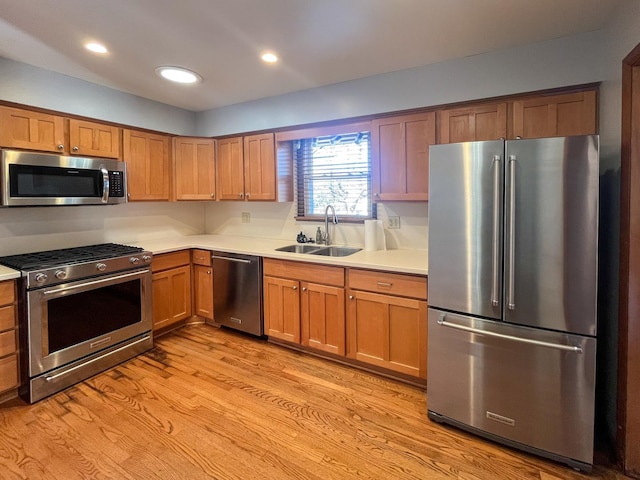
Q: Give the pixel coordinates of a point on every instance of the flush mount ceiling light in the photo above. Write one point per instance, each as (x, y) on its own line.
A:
(269, 57)
(178, 74)
(96, 47)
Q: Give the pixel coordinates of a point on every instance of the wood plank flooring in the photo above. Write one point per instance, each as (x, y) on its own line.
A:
(208, 403)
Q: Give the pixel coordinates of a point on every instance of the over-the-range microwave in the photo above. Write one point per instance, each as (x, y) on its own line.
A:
(35, 179)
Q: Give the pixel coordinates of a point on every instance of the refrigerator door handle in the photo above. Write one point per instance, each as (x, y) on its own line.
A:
(495, 249)
(511, 228)
(567, 348)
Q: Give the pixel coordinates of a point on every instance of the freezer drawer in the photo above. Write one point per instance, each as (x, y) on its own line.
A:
(536, 389)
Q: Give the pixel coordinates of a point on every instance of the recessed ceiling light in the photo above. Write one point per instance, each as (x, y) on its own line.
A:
(96, 47)
(269, 57)
(178, 74)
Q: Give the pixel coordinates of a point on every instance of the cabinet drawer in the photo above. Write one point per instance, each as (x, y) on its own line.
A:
(201, 257)
(165, 261)
(308, 272)
(8, 372)
(7, 343)
(7, 292)
(7, 318)
(391, 283)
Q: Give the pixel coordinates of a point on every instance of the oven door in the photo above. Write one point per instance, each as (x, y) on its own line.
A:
(70, 321)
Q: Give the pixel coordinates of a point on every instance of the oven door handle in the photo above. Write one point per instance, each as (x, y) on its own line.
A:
(64, 289)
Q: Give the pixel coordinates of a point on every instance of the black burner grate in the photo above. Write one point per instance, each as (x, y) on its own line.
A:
(66, 256)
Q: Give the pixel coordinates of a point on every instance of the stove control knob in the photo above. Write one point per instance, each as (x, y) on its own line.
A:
(146, 258)
(61, 274)
(41, 278)
(101, 267)
(134, 260)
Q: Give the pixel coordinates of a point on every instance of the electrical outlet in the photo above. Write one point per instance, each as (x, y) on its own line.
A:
(245, 217)
(393, 222)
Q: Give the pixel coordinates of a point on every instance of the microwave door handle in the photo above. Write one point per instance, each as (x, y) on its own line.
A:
(105, 184)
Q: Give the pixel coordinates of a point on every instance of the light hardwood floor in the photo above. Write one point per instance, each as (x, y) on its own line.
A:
(208, 403)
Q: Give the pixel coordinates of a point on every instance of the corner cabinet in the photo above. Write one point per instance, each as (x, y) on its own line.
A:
(202, 283)
(171, 289)
(148, 165)
(400, 156)
(9, 377)
(387, 321)
(304, 304)
(30, 130)
(194, 162)
(472, 123)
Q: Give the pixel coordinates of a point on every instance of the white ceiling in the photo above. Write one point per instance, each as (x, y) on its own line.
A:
(320, 42)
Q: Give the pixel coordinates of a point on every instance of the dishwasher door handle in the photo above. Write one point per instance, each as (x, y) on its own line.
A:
(238, 260)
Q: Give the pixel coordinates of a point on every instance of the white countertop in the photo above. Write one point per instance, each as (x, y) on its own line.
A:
(404, 260)
(7, 273)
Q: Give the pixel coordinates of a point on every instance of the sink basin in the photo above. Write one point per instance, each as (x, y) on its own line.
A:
(299, 248)
(336, 251)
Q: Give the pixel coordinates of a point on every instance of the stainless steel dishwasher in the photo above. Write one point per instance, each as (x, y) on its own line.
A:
(237, 291)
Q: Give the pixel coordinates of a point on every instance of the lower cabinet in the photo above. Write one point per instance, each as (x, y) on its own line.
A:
(202, 283)
(304, 304)
(385, 326)
(9, 377)
(171, 288)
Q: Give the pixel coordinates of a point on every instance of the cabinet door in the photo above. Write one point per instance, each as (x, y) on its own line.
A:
(556, 115)
(203, 280)
(171, 296)
(230, 169)
(474, 123)
(259, 167)
(400, 156)
(194, 161)
(323, 318)
(388, 331)
(31, 130)
(148, 167)
(282, 309)
(94, 139)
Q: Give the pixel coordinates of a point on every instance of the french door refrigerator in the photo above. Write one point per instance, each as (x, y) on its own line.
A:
(513, 236)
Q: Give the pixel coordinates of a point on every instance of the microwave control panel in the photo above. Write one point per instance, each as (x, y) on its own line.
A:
(116, 184)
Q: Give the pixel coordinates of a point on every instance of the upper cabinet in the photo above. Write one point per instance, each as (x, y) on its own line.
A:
(148, 165)
(472, 123)
(556, 115)
(93, 139)
(31, 130)
(247, 169)
(194, 161)
(400, 156)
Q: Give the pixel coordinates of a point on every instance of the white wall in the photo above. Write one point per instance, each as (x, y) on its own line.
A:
(24, 84)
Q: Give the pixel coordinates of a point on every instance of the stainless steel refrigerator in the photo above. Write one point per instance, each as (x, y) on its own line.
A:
(513, 237)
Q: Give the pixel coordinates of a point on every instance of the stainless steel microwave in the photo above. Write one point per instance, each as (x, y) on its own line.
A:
(34, 179)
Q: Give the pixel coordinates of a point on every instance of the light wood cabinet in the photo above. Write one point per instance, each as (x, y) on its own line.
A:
(473, 123)
(171, 288)
(194, 162)
(388, 330)
(202, 283)
(9, 373)
(304, 303)
(246, 168)
(148, 165)
(92, 139)
(400, 156)
(556, 115)
(30, 130)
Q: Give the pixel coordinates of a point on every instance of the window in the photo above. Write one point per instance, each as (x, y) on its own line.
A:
(334, 170)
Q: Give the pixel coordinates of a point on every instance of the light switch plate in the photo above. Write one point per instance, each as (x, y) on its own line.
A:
(393, 222)
(245, 217)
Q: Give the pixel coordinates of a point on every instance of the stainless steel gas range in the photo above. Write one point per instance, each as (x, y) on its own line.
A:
(82, 310)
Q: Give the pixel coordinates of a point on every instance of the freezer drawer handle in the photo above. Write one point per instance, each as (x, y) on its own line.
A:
(566, 348)
(238, 260)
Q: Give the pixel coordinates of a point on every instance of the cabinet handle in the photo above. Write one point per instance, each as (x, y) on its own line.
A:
(213, 195)
(247, 195)
(208, 272)
(385, 284)
(294, 288)
(75, 148)
(60, 146)
(304, 289)
(351, 297)
(241, 195)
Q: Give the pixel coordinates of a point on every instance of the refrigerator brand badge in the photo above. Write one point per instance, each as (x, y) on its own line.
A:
(499, 418)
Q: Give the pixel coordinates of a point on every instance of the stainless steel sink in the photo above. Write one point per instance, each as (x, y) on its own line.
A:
(300, 248)
(336, 251)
